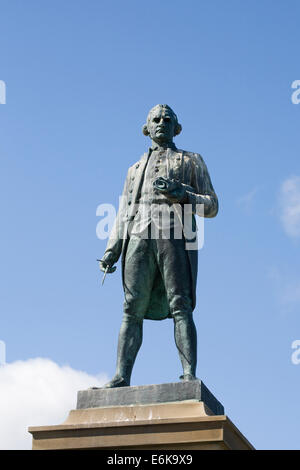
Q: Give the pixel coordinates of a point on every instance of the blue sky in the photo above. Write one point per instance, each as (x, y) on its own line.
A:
(80, 79)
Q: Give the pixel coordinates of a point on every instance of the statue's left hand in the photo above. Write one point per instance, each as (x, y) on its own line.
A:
(172, 189)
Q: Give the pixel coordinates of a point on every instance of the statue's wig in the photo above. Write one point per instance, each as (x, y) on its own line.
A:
(178, 126)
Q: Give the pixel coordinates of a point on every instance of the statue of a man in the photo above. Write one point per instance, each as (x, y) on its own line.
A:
(159, 272)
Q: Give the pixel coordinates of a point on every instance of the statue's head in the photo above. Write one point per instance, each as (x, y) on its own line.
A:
(162, 124)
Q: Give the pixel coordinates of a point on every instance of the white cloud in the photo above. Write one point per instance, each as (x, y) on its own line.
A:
(37, 392)
(290, 206)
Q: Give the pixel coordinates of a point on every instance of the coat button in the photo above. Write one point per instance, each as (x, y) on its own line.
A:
(129, 202)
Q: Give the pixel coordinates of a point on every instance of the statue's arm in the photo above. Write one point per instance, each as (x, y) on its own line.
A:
(118, 233)
(203, 190)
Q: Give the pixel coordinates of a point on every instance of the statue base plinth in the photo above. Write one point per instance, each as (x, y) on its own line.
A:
(177, 424)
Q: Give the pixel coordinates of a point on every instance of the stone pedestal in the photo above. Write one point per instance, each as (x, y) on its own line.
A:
(176, 416)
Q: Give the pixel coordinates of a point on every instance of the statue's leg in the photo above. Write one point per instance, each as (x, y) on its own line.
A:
(139, 273)
(175, 268)
(186, 341)
(130, 341)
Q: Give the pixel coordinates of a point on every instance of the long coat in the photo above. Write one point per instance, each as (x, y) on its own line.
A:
(188, 168)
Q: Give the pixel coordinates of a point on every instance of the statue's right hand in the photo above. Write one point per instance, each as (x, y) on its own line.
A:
(107, 262)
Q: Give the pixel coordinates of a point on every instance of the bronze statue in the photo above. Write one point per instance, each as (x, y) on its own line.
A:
(159, 272)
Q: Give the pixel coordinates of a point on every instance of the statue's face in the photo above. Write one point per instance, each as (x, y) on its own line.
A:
(161, 125)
